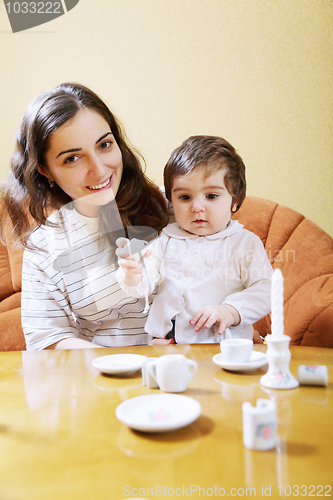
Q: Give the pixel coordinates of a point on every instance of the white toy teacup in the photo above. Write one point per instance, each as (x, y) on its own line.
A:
(172, 372)
(147, 379)
(236, 350)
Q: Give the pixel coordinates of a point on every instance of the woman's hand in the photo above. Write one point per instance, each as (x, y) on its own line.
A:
(223, 315)
(162, 341)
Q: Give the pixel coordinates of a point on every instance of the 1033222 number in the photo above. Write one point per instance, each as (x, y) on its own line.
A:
(305, 491)
(33, 7)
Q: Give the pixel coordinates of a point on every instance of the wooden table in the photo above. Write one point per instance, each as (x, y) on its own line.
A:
(60, 439)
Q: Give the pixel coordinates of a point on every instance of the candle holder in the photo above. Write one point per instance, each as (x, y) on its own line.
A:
(278, 375)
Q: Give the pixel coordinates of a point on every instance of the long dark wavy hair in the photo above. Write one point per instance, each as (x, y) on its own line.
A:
(27, 195)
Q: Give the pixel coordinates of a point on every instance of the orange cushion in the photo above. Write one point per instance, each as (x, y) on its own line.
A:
(304, 253)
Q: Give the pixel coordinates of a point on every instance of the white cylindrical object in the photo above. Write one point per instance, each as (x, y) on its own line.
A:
(312, 375)
(277, 302)
(259, 425)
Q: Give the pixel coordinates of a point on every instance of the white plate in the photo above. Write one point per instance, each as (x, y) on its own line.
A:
(158, 412)
(256, 360)
(119, 364)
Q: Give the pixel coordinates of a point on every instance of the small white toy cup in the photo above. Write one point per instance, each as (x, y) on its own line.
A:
(172, 372)
(133, 247)
(236, 350)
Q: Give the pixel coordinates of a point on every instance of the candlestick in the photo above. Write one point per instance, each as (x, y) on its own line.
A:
(278, 354)
(277, 303)
(278, 375)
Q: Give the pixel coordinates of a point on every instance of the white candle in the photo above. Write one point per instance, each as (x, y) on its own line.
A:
(277, 303)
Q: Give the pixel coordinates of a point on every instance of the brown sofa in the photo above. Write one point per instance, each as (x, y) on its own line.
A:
(297, 246)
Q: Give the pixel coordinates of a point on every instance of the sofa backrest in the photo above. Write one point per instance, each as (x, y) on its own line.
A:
(10, 268)
(304, 253)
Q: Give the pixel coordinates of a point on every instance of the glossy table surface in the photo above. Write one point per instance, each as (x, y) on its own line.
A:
(60, 439)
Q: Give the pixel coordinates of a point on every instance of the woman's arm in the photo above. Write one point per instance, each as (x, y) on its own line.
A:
(46, 316)
(73, 343)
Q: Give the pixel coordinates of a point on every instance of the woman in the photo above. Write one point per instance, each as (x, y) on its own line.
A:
(75, 185)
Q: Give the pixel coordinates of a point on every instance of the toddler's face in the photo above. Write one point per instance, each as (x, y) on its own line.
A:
(202, 205)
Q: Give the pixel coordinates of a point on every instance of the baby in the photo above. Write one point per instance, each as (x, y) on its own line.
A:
(212, 274)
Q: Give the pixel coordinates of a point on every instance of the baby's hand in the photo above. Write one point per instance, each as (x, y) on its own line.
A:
(256, 338)
(132, 248)
(131, 265)
(223, 315)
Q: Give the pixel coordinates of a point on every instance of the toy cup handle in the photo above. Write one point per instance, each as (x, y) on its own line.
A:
(192, 366)
(152, 370)
(147, 379)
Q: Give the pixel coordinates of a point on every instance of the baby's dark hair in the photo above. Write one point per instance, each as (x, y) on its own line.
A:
(211, 154)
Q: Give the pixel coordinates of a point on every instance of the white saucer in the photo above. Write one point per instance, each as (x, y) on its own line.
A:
(256, 360)
(119, 364)
(158, 412)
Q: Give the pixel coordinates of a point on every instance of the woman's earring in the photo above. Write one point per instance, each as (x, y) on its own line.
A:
(51, 183)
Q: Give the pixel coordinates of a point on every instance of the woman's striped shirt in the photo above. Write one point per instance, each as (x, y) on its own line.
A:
(69, 287)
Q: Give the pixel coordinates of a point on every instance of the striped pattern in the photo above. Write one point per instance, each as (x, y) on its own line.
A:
(69, 288)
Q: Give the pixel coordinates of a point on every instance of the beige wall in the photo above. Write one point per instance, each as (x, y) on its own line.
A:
(257, 72)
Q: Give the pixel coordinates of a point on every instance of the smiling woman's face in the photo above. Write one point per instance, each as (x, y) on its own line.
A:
(85, 161)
